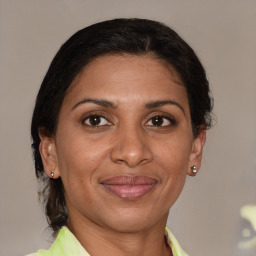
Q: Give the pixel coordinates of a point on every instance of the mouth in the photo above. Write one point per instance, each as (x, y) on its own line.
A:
(129, 187)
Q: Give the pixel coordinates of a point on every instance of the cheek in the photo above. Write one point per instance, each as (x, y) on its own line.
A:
(78, 157)
(173, 154)
(173, 159)
(78, 162)
(174, 170)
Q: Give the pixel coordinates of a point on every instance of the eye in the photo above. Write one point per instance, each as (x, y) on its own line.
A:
(95, 121)
(161, 121)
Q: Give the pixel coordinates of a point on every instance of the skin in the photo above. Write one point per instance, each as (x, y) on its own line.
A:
(126, 141)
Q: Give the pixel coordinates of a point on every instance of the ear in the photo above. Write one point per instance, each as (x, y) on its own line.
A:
(196, 153)
(49, 158)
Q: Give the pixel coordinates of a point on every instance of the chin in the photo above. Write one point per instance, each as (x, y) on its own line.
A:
(134, 220)
(130, 226)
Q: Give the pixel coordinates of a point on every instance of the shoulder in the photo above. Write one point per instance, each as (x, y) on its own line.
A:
(65, 245)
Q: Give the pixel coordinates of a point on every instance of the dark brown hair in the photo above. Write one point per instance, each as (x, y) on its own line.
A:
(132, 36)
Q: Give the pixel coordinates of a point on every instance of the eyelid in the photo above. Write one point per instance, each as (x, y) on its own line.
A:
(106, 123)
(95, 113)
(167, 116)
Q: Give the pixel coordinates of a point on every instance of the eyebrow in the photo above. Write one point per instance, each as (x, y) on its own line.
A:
(159, 103)
(108, 104)
(103, 103)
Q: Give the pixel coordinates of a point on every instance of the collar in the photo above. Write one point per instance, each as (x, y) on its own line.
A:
(173, 243)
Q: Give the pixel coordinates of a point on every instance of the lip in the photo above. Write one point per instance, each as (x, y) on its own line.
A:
(129, 187)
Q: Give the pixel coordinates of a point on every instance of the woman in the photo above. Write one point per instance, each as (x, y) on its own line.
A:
(119, 122)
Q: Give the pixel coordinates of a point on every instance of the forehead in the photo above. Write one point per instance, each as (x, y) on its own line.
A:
(116, 62)
(134, 75)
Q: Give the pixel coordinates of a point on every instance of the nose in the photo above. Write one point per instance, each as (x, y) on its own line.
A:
(131, 148)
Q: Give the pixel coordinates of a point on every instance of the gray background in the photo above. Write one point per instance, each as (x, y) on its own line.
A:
(206, 217)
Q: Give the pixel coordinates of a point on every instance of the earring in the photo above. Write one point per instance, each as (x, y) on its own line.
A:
(52, 173)
(193, 169)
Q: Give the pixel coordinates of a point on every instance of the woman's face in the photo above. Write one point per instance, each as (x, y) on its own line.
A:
(124, 143)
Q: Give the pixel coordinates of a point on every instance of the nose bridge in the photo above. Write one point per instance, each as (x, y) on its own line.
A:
(131, 147)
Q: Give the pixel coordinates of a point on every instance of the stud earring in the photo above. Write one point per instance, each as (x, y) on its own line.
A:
(193, 169)
(52, 173)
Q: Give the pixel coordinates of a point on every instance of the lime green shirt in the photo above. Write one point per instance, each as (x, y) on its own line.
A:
(66, 244)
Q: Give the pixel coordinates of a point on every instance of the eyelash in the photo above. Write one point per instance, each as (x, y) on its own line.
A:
(171, 121)
(161, 118)
(100, 116)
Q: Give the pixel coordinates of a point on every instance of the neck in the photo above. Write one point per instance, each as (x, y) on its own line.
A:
(98, 240)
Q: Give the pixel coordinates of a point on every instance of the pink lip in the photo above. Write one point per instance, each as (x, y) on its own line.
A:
(129, 186)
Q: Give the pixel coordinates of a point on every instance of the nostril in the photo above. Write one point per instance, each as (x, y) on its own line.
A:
(119, 161)
(131, 158)
(131, 148)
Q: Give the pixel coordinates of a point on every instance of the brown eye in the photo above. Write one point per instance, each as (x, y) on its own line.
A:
(96, 120)
(157, 120)
(160, 121)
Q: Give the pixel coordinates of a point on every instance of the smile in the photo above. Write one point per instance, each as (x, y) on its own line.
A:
(129, 186)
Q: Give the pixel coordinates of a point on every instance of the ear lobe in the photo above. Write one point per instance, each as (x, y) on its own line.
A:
(47, 150)
(196, 153)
